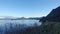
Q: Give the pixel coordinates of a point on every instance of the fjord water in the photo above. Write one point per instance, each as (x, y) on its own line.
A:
(26, 22)
(15, 24)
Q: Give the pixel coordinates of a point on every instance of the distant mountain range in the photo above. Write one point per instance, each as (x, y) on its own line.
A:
(18, 18)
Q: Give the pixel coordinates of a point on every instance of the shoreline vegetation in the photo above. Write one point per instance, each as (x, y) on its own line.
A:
(51, 22)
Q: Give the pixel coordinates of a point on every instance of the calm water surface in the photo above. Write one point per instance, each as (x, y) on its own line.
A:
(27, 22)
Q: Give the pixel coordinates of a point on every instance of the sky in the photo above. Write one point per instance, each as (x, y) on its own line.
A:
(27, 8)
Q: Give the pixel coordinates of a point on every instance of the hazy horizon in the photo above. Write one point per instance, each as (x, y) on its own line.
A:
(27, 8)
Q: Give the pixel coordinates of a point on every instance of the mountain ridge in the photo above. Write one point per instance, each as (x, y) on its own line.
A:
(54, 15)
